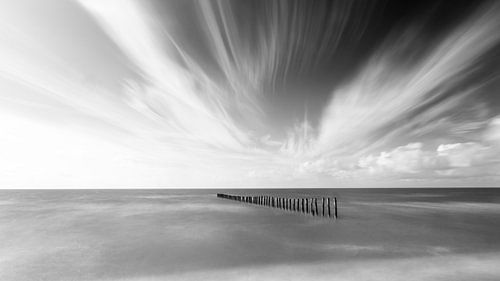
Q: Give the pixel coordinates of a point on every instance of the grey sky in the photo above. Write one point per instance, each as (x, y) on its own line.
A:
(249, 93)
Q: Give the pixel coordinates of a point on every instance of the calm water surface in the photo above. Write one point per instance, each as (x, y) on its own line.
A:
(382, 234)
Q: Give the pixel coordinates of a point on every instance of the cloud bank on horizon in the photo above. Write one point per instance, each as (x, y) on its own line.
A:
(127, 93)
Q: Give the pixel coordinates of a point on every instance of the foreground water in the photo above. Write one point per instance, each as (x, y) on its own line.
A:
(381, 234)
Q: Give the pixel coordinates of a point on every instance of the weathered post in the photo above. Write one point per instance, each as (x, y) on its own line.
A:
(329, 208)
(335, 202)
(323, 206)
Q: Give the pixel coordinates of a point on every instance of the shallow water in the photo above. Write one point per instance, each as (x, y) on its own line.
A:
(381, 234)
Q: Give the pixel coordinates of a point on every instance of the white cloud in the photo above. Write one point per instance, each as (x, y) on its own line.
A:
(492, 134)
(404, 159)
(460, 155)
(299, 140)
(454, 159)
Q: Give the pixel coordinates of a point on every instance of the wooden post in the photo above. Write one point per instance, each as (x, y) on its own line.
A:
(335, 202)
(323, 206)
(329, 208)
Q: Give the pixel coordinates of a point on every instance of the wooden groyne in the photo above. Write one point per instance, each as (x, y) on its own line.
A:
(327, 206)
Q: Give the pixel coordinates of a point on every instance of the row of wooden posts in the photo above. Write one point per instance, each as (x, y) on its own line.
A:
(301, 205)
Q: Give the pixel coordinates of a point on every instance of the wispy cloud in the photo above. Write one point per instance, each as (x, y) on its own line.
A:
(392, 97)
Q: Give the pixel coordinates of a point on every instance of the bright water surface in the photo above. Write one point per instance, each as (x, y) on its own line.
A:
(381, 234)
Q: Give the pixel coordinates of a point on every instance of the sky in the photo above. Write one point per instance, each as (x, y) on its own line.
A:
(185, 93)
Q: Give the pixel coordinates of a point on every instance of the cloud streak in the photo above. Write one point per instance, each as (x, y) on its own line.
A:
(391, 97)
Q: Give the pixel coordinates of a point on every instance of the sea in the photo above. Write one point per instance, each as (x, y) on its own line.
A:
(190, 234)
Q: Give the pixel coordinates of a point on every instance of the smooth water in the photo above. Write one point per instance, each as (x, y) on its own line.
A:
(381, 234)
